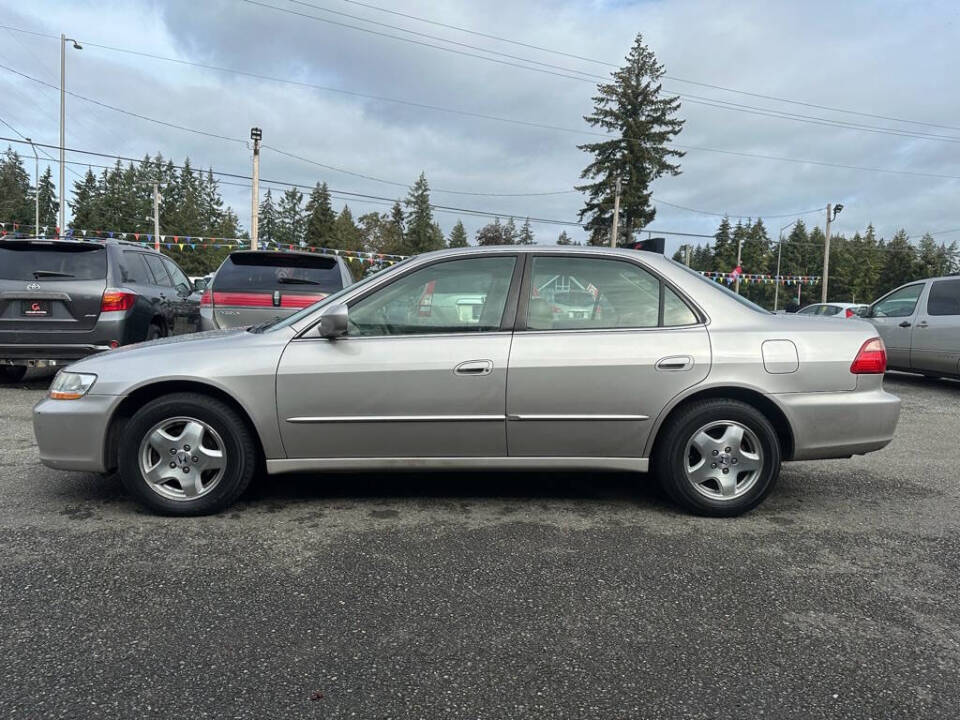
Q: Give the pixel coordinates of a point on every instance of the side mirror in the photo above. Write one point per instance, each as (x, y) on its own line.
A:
(183, 290)
(333, 322)
(199, 285)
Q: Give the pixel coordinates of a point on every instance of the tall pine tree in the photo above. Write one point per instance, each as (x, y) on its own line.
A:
(422, 234)
(320, 216)
(458, 236)
(642, 118)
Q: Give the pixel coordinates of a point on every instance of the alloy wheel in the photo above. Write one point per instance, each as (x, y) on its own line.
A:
(182, 458)
(723, 460)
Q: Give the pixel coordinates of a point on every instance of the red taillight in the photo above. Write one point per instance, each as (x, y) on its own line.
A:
(240, 299)
(871, 360)
(206, 300)
(850, 313)
(117, 300)
(300, 301)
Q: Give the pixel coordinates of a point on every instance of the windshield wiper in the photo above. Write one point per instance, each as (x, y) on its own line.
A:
(50, 273)
(298, 281)
(262, 326)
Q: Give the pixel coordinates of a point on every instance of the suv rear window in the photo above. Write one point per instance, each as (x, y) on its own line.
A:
(55, 261)
(244, 272)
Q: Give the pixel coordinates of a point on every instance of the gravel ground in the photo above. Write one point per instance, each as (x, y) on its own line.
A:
(489, 595)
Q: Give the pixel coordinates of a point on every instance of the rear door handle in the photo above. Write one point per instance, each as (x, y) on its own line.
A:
(675, 363)
(922, 324)
(905, 323)
(474, 367)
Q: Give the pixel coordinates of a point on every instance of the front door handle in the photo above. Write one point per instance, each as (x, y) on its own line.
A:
(474, 367)
(675, 363)
(905, 323)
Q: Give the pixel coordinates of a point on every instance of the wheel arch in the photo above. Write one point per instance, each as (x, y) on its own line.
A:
(146, 393)
(771, 410)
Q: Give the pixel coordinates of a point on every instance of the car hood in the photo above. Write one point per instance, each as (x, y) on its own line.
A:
(218, 357)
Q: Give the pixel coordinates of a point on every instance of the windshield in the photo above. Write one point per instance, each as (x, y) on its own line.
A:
(292, 320)
(724, 289)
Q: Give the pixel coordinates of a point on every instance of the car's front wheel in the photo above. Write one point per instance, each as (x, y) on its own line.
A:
(718, 457)
(187, 454)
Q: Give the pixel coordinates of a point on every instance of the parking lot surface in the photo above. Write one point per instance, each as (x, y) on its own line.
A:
(486, 595)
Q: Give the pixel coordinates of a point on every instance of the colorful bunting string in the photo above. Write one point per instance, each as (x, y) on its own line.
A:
(761, 279)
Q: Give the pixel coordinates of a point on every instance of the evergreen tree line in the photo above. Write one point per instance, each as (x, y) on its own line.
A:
(862, 267)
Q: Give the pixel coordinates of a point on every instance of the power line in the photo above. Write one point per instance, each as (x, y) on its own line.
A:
(668, 77)
(38, 145)
(495, 118)
(587, 77)
(658, 201)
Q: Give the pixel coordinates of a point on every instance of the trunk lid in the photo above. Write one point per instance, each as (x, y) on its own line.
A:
(51, 286)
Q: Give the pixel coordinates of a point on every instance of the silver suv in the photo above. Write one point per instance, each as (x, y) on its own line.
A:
(920, 325)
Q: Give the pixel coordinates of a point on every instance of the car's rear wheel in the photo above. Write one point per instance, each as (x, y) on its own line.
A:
(187, 454)
(12, 373)
(718, 457)
(155, 331)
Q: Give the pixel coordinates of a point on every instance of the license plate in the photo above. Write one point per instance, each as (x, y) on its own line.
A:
(35, 308)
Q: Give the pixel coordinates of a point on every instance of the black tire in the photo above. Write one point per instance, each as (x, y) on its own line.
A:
(239, 447)
(671, 457)
(12, 373)
(155, 332)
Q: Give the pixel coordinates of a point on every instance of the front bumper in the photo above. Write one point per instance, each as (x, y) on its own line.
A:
(840, 424)
(71, 434)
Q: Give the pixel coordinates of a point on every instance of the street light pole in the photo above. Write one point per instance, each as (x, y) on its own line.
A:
(826, 251)
(776, 289)
(63, 98)
(36, 192)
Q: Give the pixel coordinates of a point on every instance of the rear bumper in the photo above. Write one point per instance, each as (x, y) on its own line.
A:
(71, 434)
(840, 424)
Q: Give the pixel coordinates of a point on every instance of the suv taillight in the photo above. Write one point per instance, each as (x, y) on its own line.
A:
(850, 313)
(206, 300)
(871, 360)
(117, 300)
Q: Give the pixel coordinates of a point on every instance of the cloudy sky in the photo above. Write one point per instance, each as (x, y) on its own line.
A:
(894, 62)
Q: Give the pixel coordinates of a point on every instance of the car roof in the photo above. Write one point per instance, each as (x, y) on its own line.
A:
(69, 241)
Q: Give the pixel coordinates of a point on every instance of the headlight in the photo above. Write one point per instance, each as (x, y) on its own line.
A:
(71, 385)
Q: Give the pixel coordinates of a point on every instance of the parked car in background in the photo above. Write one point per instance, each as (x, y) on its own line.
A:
(256, 286)
(199, 282)
(838, 310)
(61, 300)
(920, 325)
(678, 375)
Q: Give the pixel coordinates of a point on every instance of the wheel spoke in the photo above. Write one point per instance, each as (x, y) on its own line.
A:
(158, 474)
(162, 441)
(728, 484)
(732, 437)
(700, 473)
(191, 435)
(748, 462)
(190, 484)
(703, 443)
(208, 459)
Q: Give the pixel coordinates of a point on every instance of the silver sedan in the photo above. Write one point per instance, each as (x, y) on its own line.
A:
(469, 358)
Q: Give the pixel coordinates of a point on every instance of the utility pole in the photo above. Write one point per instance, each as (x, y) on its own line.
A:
(256, 134)
(156, 217)
(686, 255)
(739, 273)
(616, 215)
(776, 289)
(63, 107)
(826, 250)
(36, 193)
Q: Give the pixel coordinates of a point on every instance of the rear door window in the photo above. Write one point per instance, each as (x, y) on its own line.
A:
(54, 261)
(134, 269)
(179, 278)
(254, 272)
(160, 276)
(944, 298)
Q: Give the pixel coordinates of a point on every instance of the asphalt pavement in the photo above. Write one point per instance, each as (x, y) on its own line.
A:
(489, 595)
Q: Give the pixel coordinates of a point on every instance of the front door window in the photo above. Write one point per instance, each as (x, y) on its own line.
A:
(457, 296)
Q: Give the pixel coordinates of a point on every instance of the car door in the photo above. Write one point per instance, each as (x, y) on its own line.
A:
(893, 315)
(163, 290)
(421, 371)
(185, 307)
(591, 383)
(935, 346)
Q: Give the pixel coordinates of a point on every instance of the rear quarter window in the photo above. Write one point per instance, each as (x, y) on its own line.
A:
(243, 272)
(61, 261)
